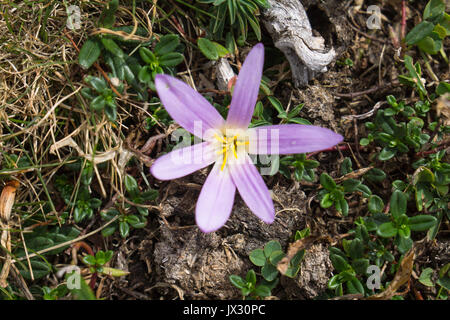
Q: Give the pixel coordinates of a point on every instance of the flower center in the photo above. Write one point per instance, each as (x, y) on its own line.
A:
(229, 145)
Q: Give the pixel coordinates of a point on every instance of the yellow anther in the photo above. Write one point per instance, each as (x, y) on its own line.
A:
(224, 160)
(227, 143)
(221, 139)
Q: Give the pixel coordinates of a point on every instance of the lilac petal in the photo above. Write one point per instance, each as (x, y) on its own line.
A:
(186, 106)
(253, 189)
(246, 89)
(290, 139)
(184, 161)
(216, 200)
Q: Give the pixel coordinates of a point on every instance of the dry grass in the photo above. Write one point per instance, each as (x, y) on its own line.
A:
(45, 122)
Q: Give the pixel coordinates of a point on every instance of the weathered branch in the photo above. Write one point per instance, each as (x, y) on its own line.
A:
(289, 26)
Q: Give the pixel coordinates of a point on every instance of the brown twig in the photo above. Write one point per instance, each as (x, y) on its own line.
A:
(442, 145)
(368, 91)
(344, 147)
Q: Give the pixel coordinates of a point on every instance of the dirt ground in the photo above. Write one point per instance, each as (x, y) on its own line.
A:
(172, 258)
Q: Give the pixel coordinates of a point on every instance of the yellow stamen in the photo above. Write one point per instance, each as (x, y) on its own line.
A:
(221, 139)
(227, 143)
(234, 150)
(224, 160)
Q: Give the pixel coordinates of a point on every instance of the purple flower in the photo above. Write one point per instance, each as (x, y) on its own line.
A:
(229, 143)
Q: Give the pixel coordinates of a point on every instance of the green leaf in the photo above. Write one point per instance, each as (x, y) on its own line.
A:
(443, 88)
(131, 185)
(276, 256)
(425, 277)
(403, 244)
(387, 230)
(89, 53)
(109, 230)
(365, 190)
(149, 195)
(334, 281)
(251, 277)
(430, 45)
(346, 166)
(398, 204)
(108, 16)
(444, 282)
(419, 32)
(110, 111)
(277, 105)
(434, 10)
(415, 73)
(95, 203)
(99, 84)
(167, 44)
(231, 11)
(327, 182)
(339, 263)
(356, 249)
(351, 185)
(221, 50)
(208, 48)
(387, 153)
(171, 59)
(112, 47)
(262, 3)
(375, 175)
(270, 247)
(124, 229)
(147, 56)
(145, 74)
(355, 286)
(294, 112)
(40, 269)
(135, 222)
(269, 272)
(421, 222)
(342, 207)
(364, 142)
(360, 266)
(257, 257)
(262, 291)
(237, 281)
(376, 204)
(89, 260)
(326, 201)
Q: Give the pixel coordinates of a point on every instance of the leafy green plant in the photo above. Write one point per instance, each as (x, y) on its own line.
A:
(429, 34)
(238, 14)
(303, 167)
(83, 203)
(334, 194)
(249, 288)
(161, 60)
(397, 137)
(211, 49)
(54, 293)
(125, 220)
(42, 238)
(400, 225)
(96, 263)
(267, 258)
(102, 97)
